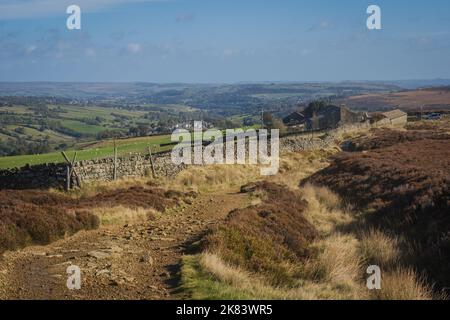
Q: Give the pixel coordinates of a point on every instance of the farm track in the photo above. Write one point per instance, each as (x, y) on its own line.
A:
(139, 261)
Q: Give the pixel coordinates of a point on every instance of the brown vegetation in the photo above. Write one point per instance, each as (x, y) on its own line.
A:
(26, 218)
(40, 217)
(269, 238)
(382, 138)
(431, 125)
(403, 180)
(136, 197)
(414, 100)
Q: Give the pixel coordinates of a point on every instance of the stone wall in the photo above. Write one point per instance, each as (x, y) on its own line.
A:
(134, 166)
(33, 177)
(54, 175)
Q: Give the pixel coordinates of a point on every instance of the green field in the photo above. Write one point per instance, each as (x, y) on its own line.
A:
(81, 127)
(103, 149)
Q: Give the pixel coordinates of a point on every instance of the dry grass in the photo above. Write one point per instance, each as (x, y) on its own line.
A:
(270, 238)
(239, 279)
(337, 260)
(250, 265)
(325, 209)
(405, 186)
(213, 178)
(402, 284)
(379, 249)
(295, 167)
(335, 268)
(350, 132)
(91, 189)
(207, 276)
(123, 215)
(435, 125)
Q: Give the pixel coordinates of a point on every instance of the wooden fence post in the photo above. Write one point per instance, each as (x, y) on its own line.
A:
(71, 170)
(115, 162)
(151, 162)
(67, 178)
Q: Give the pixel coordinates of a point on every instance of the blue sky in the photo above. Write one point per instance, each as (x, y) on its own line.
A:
(223, 41)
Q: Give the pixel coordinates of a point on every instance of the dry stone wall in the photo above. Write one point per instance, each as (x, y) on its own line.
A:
(54, 175)
(134, 166)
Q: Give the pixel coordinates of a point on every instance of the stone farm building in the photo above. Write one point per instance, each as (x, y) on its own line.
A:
(331, 116)
(323, 117)
(396, 118)
(295, 120)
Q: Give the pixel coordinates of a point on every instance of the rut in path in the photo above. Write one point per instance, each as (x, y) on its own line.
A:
(117, 262)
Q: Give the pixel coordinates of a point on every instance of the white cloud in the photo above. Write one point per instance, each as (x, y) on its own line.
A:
(90, 52)
(185, 18)
(134, 48)
(305, 52)
(22, 9)
(230, 52)
(322, 25)
(30, 49)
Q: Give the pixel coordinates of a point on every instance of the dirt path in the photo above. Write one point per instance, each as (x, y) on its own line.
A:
(117, 262)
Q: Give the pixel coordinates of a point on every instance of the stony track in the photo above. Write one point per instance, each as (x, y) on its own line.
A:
(134, 261)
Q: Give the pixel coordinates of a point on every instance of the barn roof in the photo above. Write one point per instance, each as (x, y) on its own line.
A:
(394, 114)
(294, 117)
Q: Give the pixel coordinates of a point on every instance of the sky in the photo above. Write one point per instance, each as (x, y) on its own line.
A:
(223, 41)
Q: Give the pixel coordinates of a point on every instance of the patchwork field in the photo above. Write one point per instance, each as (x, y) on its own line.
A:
(42, 126)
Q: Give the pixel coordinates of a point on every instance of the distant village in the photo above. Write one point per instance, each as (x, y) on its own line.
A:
(320, 116)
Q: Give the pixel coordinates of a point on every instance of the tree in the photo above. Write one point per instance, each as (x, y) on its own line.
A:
(20, 130)
(314, 107)
(270, 122)
(143, 130)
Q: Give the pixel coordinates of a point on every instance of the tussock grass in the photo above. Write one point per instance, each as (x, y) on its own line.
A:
(379, 249)
(269, 238)
(122, 215)
(402, 284)
(297, 166)
(207, 276)
(91, 189)
(325, 209)
(337, 260)
(214, 178)
(403, 181)
(259, 269)
(335, 268)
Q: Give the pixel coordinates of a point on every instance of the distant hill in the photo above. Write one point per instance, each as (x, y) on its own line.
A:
(416, 84)
(436, 98)
(221, 99)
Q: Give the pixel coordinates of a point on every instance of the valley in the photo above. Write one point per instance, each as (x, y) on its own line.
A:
(199, 235)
